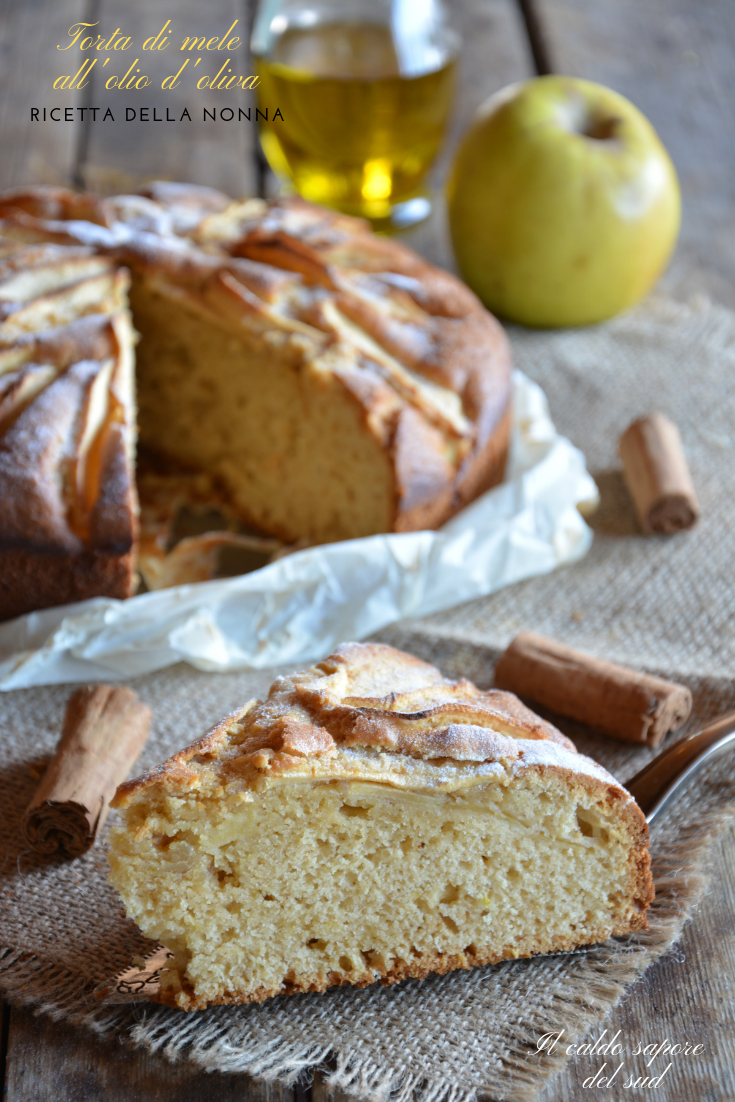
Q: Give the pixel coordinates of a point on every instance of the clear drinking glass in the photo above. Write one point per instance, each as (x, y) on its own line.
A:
(365, 89)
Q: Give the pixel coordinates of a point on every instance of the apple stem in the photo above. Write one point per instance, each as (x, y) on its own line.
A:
(602, 129)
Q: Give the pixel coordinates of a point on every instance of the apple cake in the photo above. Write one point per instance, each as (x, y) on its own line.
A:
(373, 821)
(331, 382)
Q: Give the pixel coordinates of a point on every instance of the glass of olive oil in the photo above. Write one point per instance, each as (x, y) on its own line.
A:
(364, 90)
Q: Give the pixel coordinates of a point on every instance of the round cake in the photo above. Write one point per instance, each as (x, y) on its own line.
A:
(331, 382)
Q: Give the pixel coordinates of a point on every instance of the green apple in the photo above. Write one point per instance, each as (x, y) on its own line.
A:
(564, 206)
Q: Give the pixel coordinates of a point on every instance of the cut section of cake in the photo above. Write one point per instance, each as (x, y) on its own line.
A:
(67, 492)
(373, 821)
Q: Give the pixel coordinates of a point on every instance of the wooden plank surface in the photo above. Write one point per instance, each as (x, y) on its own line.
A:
(686, 996)
(35, 152)
(119, 155)
(54, 1061)
(675, 59)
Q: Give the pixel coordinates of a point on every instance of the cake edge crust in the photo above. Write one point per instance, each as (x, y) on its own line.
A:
(61, 578)
(438, 964)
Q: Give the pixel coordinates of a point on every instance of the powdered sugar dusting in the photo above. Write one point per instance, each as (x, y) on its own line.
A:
(540, 752)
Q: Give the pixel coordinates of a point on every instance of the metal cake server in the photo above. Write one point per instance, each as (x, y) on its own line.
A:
(661, 781)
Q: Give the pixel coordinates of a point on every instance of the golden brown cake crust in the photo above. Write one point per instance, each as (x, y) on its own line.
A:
(68, 508)
(31, 579)
(437, 964)
(353, 699)
(430, 369)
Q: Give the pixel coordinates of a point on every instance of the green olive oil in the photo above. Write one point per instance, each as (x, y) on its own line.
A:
(357, 133)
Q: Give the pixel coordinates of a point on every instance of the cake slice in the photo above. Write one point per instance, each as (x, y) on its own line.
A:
(373, 821)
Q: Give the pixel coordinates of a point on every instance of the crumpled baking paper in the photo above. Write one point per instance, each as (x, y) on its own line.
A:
(301, 607)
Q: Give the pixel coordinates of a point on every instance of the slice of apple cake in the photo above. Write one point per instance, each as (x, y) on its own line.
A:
(372, 821)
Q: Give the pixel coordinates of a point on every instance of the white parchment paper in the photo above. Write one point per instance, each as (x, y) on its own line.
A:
(302, 606)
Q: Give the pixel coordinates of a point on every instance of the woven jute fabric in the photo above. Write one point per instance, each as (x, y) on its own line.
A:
(663, 604)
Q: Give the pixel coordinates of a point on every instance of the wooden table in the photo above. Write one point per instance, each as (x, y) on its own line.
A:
(676, 60)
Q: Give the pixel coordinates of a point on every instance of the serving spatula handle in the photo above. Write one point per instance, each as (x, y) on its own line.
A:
(662, 779)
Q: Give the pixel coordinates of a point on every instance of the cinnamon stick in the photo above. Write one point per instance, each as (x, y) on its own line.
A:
(625, 704)
(105, 728)
(657, 475)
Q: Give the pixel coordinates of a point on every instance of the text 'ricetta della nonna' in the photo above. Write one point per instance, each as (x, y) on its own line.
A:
(154, 114)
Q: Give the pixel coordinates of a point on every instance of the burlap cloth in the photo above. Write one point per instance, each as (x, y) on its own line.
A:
(662, 604)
